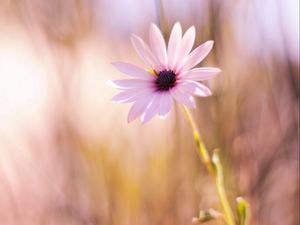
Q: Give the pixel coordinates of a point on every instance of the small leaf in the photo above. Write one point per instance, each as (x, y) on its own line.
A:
(242, 210)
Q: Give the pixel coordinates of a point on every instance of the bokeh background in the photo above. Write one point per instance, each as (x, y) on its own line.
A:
(67, 154)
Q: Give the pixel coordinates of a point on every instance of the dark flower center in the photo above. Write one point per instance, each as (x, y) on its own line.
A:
(165, 80)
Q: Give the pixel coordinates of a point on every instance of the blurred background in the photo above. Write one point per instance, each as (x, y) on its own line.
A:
(67, 154)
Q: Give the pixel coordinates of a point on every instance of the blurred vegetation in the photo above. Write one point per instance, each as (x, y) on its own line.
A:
(67, 155)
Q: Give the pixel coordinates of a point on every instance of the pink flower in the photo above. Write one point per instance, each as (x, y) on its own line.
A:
(170, 75)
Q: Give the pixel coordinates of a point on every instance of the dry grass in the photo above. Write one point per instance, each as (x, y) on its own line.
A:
(67, 155)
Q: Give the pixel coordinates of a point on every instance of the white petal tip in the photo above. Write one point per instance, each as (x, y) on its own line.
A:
(208, 94)
(177, 24)
(154, 28)
(110, 83)
(213, 70)
(209, 44)
(116, 101)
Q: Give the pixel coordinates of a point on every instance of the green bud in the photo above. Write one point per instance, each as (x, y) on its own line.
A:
(242, 210)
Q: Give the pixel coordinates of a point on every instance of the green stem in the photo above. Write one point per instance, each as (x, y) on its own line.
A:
(219, 179)
(214, 167)
(200, 145)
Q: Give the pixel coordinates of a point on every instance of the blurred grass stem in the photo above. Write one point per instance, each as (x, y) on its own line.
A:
(214, 167)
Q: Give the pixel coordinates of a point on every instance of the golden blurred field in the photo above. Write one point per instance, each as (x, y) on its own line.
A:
(67, 154)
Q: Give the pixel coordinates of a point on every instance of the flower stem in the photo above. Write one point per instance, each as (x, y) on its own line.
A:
(200, 145)
(214, 167)
(219, 179)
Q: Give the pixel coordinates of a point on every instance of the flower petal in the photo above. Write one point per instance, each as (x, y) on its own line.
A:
(132, 70)
(158, 44)
(126, 96)
(195, 88)
(186, 45)
(165, 104)
(183, 98)
(152, 109)
(174, 44)
(139, 107)
(203, 73)
(197, 55)
(143, 51)
(130, 84)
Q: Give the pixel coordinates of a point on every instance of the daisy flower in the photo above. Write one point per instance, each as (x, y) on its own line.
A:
(169, 76)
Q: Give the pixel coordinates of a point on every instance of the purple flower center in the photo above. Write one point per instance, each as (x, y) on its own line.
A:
(165, 80)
